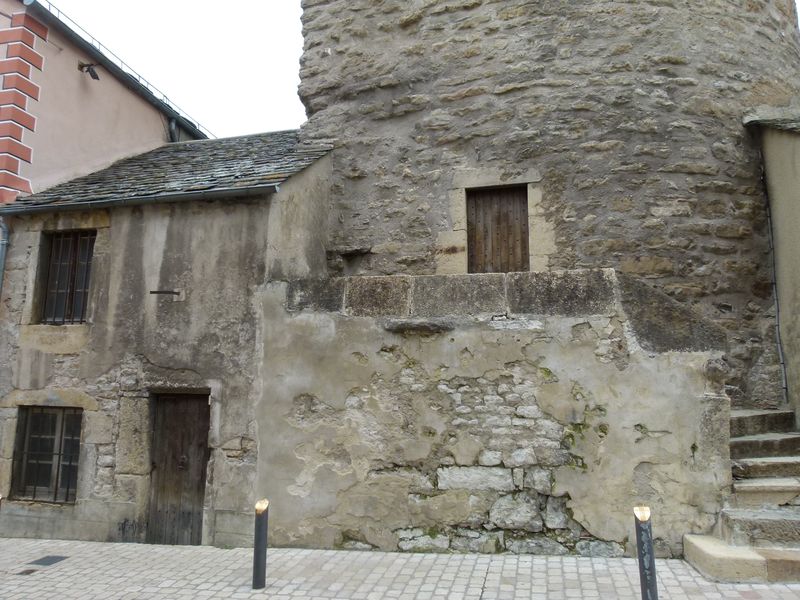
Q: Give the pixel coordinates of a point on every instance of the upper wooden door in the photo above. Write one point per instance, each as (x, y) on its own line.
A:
(178, 477)
(497, 230)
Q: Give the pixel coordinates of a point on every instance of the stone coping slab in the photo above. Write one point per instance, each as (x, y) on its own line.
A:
(660, 323)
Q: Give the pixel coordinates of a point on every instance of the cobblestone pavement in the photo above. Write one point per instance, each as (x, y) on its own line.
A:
(127, 571)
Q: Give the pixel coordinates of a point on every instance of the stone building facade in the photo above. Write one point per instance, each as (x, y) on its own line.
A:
(626, 116)
(321, 289)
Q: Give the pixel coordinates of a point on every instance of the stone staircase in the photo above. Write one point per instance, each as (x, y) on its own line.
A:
(757, 536)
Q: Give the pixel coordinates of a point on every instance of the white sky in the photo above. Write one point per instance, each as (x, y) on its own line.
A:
(181, 45)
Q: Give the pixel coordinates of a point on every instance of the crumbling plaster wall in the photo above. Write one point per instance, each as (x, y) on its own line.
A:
(629, 110)
(135, 345)
(523, 412)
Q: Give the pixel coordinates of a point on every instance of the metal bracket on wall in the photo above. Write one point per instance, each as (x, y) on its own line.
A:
(177, 295)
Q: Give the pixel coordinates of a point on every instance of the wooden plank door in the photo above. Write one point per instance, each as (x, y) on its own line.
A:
(178, 479)
(497, 230)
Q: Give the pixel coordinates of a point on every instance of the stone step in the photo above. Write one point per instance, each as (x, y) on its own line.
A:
(766, 466)
(761, 527)
(720, 561)
(765, 444)
(753, 422)
(766, 491)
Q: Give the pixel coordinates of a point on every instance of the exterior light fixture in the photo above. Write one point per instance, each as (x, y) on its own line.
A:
(90, 69)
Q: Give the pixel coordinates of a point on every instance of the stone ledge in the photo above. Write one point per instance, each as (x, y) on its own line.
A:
(473, 295)
(659, 323)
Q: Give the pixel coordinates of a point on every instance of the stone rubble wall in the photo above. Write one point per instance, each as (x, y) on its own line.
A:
(532, 422)
(630, 110)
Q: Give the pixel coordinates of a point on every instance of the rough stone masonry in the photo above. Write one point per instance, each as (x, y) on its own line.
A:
(520, 413)
(630, 111)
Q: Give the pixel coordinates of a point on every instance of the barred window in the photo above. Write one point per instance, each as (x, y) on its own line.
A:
(66, 277)
(46, 454)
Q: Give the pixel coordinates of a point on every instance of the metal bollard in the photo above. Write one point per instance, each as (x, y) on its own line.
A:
(644, 548)
(260, 545)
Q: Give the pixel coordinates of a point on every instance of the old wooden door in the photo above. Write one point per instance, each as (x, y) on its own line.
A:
(497, 230)
(178, 476)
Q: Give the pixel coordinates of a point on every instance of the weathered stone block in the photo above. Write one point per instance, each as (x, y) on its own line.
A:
(473, 294)
(425, 543)
(316, 294)
(5, 476)
(599, 548)
(133, 446)
(8, 431)
(520, 457)
(378, 296)
(567, 293)
(475, 478)
(448, 508)
(132, 488)
(468, 540)
(555, 515)
(98, 428)
(517, 511)
(419, 326)
(490, 458)
(662, 324)
(535, 545)
(539, 479)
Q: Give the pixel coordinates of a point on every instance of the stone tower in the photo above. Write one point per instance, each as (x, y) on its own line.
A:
(625, 117)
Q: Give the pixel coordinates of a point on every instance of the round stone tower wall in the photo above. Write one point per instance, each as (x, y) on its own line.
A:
(624, 117)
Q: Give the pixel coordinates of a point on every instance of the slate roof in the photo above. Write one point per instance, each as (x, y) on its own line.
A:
(214, 168)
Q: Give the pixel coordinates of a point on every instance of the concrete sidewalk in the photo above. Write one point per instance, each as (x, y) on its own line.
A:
(127, 571)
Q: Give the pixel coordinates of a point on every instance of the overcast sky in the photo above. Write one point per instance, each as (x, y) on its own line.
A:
(180, 46)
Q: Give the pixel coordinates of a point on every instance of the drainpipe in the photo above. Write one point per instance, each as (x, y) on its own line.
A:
(3, 248)
(778, 339)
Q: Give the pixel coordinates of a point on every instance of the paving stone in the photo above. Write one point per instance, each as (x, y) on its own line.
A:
(99, 571)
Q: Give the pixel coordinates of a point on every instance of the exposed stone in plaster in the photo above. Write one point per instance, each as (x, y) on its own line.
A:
(626, 117)
(400, 441)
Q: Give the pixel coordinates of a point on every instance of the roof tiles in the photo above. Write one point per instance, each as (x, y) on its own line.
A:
(176, 170)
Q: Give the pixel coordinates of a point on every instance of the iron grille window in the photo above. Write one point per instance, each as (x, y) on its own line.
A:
(67, 277)
(46, 454)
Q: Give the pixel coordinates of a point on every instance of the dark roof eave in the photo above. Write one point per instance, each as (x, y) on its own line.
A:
(126, 79)
(244, 192)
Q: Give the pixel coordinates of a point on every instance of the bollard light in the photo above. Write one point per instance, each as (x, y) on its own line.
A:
(644, 549)
(260, 545)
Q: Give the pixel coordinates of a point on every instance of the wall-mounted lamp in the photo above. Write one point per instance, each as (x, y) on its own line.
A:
(90, 69)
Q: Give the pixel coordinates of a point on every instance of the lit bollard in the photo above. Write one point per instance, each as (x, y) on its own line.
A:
(260, 545)
(644, 549)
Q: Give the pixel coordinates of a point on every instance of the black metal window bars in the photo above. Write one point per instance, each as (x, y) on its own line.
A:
(66, 290)
(46, 455)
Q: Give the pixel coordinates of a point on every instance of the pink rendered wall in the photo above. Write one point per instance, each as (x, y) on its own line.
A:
(56, 123)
